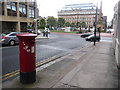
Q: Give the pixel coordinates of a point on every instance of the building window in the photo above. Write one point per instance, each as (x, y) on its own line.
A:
(31, 12)
(8, 5)
(11, 8)
(22, 1)
(2, 8)
(22, 10)
(31, 2)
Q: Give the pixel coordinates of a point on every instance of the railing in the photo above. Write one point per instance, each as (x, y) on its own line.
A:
(23, 15)
(10, 13)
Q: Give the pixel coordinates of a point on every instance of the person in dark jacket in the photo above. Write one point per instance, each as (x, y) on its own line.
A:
(46, 33)
(43, 33)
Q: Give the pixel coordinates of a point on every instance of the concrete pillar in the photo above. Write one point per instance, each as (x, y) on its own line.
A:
(35, 4)
(5, 7)
(18, 26)
(18, 15)
(27, 9)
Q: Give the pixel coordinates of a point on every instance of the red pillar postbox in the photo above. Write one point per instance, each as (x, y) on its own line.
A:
(27, 55)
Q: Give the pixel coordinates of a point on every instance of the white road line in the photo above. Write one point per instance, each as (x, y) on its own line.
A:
(8, 47)
(105, 40)
(55, 48)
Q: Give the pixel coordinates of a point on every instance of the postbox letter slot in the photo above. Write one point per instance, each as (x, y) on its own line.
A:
(32, 49)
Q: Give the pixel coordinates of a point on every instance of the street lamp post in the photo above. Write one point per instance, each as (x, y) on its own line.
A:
(36, 31)
(99, 31)
(95, 24)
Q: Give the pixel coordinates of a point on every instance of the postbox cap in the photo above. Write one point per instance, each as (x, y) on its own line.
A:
(26, 35)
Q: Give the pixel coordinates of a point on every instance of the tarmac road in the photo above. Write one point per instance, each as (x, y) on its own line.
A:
(56, 45)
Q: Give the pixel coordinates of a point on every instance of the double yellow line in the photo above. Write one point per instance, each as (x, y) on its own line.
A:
(14, 73)
(9, 75)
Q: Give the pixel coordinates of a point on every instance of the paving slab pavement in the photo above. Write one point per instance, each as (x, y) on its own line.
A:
(89, 67)
(98, 70)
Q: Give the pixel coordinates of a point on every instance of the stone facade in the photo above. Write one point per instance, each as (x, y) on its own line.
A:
(104, 21)
(17, 14)
(116, 39)
(85, 12)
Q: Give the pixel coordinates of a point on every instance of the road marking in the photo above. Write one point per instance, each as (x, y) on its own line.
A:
(9, 73)
(55, 48)
(14, 73)
(11, 76)
(106, 41)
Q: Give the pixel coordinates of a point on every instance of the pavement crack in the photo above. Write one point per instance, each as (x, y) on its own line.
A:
(71, 86)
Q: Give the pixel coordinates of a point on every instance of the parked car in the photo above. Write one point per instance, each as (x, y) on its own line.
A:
(86, 35)
(92, 38)
(10, 38)
(109, 32)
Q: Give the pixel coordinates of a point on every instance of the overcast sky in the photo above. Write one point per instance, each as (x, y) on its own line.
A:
(50, 7)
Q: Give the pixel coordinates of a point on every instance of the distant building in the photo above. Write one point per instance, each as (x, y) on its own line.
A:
(112, 23)
(85, 12)
(17, 14)
(37, 13)
(116, 26)
(39, 17)
(104, 22)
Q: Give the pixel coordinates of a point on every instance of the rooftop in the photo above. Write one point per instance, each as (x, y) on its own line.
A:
(79, 6)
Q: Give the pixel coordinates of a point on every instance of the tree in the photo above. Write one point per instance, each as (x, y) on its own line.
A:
(78, 24)
(83, 24)
(51, 22)
(72, 24)
(67, 24)
(41, 24)
(61, 22)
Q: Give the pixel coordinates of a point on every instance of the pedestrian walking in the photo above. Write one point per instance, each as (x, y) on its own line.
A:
(43, 33)
(46, 33)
